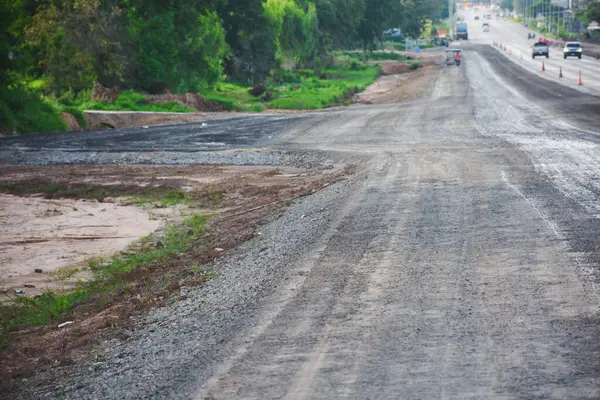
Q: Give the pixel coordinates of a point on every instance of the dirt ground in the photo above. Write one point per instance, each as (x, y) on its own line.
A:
(398, 83)
(61, 221)
(54, 238)
(395, 88)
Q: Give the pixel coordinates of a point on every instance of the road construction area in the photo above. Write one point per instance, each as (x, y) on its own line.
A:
(445, 246)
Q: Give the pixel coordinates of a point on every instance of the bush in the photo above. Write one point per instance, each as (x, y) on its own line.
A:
(133, 101)
(414, 66)
(24, 111)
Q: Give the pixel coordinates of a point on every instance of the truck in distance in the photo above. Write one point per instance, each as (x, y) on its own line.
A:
(461, 32)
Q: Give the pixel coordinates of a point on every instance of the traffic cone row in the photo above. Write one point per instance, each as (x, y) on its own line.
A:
(580, 79)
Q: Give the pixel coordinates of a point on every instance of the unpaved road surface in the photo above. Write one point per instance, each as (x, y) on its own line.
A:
(459, 262)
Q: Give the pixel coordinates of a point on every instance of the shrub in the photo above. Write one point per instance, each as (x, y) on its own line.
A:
(24, 111)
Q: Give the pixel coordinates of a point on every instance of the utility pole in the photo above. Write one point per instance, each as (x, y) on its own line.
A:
(450, 19)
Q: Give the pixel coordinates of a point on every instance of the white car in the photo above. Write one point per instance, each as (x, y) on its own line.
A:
(573, 49)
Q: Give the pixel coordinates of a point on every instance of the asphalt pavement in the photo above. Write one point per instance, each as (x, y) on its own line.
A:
(459, 262)
(513, 36)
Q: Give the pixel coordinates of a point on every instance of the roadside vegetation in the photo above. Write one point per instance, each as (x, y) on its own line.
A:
(51, 53)
(112, 277)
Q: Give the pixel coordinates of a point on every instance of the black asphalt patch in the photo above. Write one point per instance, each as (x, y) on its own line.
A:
(201, 136)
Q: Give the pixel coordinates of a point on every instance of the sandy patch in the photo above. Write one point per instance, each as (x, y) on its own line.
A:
(239, 199)
(398, 87)
(58, 235)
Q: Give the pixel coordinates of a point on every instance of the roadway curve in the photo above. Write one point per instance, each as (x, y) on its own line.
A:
(460, 262)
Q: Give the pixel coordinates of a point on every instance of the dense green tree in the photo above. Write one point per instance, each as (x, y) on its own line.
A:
(252, 39)
(180, 45)
(377, 17)
(339, 22)
(78, 42)
(187, 45)
(296, 27)
(592, 12)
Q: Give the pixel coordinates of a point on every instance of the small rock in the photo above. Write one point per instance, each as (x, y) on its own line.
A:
(160, 245)
(103, 210)
(29, 285)
(38, 270)
(65, 324)
(219, 249)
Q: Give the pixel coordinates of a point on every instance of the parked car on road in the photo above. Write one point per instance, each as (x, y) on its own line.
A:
(572, 49)
(540, 49)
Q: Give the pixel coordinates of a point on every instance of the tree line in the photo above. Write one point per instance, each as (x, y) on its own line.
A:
(186, 45)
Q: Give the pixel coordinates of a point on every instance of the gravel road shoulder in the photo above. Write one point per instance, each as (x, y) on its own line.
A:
(172, 347)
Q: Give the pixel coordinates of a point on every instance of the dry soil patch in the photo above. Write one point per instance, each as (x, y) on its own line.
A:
(240, 200)
(398, 87)
(58, 236)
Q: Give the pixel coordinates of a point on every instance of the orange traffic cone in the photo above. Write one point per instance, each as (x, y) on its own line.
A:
(580, 79)
(560, 75)
(543, 66)
(521, 56)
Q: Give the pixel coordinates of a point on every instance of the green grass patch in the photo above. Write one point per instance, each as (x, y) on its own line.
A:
(163, 198)
(314, 93)
(357, 56)
(400, 46)
(111, 278)
(300, 90)
(158, 196)
(133, 101)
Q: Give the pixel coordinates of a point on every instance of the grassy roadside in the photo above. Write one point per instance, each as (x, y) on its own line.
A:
(25, 110)
(112, 277)
(300, 90)
(211, 218)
